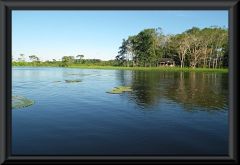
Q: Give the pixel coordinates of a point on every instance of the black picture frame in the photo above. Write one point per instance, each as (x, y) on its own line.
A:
(6, 6)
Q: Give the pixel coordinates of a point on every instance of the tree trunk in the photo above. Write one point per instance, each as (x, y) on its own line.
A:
(219, 63)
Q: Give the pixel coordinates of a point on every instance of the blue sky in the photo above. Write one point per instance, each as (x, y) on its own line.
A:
(97, 34)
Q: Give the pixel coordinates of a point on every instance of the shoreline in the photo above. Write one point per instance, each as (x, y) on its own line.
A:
(163, 69)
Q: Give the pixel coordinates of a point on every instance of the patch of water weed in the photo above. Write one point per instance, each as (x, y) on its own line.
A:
(72, 81)
(120, 89)
(20, 102)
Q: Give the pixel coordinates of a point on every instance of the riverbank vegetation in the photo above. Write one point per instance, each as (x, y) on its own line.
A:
(194, 48)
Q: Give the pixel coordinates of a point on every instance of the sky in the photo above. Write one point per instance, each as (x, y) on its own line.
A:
(97, 34)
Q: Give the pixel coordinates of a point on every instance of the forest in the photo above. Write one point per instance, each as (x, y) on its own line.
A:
(193, 48)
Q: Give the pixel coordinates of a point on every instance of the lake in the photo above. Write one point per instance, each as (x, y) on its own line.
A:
(167, 113)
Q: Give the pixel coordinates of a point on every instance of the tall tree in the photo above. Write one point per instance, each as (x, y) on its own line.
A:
(71, 59)
(65, 61)
(123, 52)
(21, 58)
(195, 52)
(145, 47)
(182, 45)
(206, 40)
(80, 57)
(131, 44)
(33, 58)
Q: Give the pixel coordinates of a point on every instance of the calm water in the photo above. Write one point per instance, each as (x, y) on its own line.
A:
(166, 114)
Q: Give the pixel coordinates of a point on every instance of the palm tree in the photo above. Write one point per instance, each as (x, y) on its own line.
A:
(22, 57)
(80, 57)
(33, 58)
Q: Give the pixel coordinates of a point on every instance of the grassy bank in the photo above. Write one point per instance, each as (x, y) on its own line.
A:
(166, 69)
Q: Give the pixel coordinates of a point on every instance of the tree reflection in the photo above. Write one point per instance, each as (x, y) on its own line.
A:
(191, 90)
(205, 90)
(144, 86)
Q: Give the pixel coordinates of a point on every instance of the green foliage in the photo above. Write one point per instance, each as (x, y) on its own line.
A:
(33, 58)
(65, 61)
(80, 58)
(192, 48)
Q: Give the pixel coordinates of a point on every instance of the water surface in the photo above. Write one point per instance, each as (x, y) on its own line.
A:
(168, 113)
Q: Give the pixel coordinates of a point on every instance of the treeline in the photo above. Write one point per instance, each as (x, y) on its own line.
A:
(76, 62)
(202, 48)
(71, 61)
(195, 48)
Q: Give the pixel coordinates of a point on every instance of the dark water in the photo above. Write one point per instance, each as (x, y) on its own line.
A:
(166, 114)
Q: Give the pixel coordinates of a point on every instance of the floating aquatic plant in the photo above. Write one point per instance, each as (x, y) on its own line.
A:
(20, 102)
(57, 80)
(120, 89)
(123, 88)
(71, 81)
(114, 92)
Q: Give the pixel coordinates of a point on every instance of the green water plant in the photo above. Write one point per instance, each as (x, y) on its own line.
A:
(20, 102)
(57, 80)
(120, 89)
(72, 81)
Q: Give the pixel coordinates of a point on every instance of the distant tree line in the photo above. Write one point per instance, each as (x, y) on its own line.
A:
(65, 61)
(206, 48)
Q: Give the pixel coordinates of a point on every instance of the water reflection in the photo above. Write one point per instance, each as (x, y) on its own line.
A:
(191, 90)
(206, 90)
